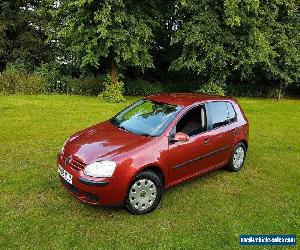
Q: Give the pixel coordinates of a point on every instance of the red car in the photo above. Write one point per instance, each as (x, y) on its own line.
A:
(155, 143)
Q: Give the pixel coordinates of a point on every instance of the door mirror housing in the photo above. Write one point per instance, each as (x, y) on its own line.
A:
(180, 137)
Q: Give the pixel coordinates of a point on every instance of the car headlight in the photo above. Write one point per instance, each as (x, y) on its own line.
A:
(100, 169)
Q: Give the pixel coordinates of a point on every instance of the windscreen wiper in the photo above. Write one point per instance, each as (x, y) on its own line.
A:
(123, 128)
(144, 134)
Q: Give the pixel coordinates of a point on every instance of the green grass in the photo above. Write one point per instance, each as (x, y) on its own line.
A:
(207, 213)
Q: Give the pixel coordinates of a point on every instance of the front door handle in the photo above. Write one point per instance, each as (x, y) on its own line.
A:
(206, 141)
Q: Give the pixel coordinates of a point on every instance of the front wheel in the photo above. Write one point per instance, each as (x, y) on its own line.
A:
(144, 193)
(237, 157)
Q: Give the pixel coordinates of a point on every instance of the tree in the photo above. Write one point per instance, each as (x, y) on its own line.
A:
(283, 31)
(201, 38)
(22, 37)
(163, 51)
(114, 31)
(250, 40)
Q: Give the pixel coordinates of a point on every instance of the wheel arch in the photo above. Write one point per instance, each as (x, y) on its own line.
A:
(157, 170)
(245, 143)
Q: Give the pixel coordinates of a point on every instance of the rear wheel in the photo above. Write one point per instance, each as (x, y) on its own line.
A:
(144, 193)
(237, 157)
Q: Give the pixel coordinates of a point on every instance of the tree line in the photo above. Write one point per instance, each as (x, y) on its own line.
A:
(210, 41)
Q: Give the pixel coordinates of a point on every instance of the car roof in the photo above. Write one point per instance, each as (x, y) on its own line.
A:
(186, 99)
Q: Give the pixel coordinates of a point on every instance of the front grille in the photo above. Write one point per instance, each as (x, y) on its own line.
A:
(70, 187)
(75, 164)
(91, 197)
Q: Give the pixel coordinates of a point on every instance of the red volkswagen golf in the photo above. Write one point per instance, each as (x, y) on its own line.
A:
(155, 143)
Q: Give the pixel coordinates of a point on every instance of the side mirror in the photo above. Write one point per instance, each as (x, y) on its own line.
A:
(180, 137)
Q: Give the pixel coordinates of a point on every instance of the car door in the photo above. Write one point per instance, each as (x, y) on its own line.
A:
(189, 158)
(221, 124)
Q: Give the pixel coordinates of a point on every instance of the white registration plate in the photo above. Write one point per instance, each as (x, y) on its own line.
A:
(64, 174)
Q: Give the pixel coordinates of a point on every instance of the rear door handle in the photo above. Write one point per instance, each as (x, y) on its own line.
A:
(234, 130)
(206, 141)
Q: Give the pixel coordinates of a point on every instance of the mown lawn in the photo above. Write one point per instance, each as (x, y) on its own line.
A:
(207, 213)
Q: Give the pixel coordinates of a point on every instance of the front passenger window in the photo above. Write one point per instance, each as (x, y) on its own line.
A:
(193, 121)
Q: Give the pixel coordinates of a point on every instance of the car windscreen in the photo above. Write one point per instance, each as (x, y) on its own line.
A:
(146, 117)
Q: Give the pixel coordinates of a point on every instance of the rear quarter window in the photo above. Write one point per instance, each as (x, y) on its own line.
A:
(231, 112)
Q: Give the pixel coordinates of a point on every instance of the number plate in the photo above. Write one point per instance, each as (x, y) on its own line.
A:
(64, 174)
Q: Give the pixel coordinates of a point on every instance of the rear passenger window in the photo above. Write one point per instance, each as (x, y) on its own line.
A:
(219, 113)
(231, 113)
(222, 113)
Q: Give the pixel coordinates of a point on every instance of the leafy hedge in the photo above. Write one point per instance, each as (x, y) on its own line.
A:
(13, 83)
(48, 80)
(141, 87)
(212, 89)
(85, 86)
(251, 90)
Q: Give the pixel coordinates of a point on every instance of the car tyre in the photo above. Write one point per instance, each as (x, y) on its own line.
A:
(237, 157)
(144, 193)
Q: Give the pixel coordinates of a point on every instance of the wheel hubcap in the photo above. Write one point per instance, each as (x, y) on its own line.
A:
(238, 157)
(142, 194)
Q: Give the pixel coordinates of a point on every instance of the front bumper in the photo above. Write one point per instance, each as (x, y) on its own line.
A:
(94, 191)
(85, 197)
(92, 182)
